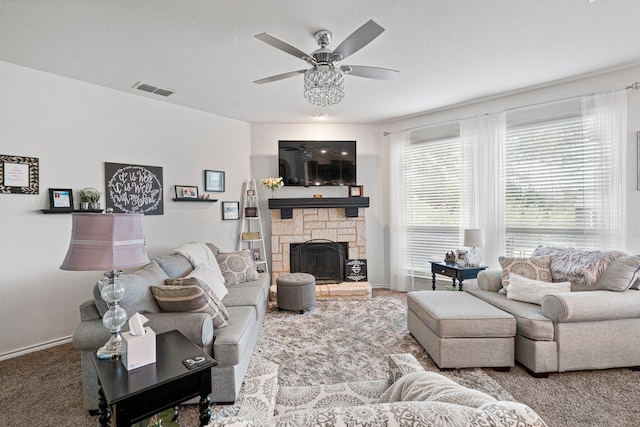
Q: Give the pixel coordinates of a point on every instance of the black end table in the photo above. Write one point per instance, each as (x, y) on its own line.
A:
(454, 271)
(142, 392)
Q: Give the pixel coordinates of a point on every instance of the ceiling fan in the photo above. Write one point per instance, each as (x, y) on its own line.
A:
(324, 81)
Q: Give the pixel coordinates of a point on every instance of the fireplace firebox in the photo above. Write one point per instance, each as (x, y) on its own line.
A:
(324, 259)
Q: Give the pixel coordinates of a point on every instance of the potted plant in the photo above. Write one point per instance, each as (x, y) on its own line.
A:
(84, 199)
(89, 199)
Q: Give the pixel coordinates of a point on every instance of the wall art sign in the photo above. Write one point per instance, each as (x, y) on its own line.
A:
(134, 188)
(214, 181)
(355, 270)
(19, 174)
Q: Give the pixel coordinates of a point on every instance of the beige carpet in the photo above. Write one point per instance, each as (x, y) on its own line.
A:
(44, 389)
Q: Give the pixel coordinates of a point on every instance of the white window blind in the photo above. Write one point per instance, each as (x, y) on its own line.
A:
(551, 186)
(433, 183)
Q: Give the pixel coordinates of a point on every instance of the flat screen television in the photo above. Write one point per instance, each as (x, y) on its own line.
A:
(312, 163)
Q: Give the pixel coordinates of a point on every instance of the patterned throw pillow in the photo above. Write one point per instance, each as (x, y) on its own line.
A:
(536, 268)
(187, 299)
(237, 267)
(194, 281)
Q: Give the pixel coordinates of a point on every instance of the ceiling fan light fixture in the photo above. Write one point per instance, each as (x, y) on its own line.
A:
(324, 85)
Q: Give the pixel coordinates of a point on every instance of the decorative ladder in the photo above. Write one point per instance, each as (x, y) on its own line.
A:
(251, 235)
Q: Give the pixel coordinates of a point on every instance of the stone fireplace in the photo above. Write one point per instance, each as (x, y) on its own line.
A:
(330, 219)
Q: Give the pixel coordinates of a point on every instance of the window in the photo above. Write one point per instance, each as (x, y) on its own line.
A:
(433, 182)
(557, 179)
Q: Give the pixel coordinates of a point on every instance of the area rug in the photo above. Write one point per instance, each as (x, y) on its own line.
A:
(346, 340)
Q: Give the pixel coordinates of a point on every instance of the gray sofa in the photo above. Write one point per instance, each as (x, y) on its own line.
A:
(231, 346)
(596, 327)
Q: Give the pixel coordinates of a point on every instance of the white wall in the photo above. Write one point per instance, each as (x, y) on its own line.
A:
(577, 87)
(371, 172)
(73, 128)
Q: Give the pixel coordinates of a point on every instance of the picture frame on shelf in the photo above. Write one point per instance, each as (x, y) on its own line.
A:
(186, 192)
(251, 193)
(255, 254)
(61, 199)
(251, 212)
(214, 181)
(250, 235)
(230, 210)
(356, 191)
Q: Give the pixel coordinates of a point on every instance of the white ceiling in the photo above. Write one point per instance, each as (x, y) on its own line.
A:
(447, 51)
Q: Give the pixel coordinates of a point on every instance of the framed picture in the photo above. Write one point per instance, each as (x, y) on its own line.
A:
(134, 188)
(186, 192)
(214, 181)
(250, 235)
(19, 174)
(251, 212)
(230, 210)
(356, 191)
(61, 199)
(255, 254)
(251, 193)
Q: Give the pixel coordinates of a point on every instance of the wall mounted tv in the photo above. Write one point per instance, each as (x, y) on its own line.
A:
(312, 163)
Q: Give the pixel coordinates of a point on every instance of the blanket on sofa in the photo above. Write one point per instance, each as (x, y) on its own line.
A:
(581, 268)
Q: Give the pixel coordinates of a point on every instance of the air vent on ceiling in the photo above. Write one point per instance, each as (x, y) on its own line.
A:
(146, 87)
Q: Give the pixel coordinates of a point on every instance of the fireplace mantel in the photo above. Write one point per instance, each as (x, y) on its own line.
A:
(350, 204)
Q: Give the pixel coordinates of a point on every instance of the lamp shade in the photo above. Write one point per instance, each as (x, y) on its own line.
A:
(105, 242)
(474, 237)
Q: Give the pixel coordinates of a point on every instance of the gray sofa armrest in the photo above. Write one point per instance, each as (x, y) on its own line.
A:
(490, 280)
(197, 327)
(591, 306)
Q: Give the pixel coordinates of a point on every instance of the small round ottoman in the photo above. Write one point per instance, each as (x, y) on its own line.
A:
(296, 291)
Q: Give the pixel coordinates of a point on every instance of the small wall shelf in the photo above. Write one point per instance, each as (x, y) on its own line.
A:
(55, 211)
(191, 199)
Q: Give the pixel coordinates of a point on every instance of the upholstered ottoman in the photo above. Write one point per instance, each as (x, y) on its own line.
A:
(459, 330)
(296, 291)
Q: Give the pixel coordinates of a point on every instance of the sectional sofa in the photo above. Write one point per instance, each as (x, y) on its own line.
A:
(231, 345)
(593, 324)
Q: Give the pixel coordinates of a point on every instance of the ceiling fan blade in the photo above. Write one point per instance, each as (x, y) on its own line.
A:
(370, 72)
(283, 46)
(279, 77)
(358, 39)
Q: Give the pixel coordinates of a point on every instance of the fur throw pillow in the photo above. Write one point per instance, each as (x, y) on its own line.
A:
(581, 268)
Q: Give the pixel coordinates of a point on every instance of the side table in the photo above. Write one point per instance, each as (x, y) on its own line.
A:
(454, 271)
(142, 392)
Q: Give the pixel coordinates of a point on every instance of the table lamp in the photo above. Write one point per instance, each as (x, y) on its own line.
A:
(474, 238)
(110, 242)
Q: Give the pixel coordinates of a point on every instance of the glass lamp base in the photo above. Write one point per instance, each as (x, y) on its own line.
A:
(473, 258)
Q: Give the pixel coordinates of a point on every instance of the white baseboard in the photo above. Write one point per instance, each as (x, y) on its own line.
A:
(33, 348)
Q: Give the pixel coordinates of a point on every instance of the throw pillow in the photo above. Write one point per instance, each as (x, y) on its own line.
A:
(137, 298)
(536, 268)
(209, 277)
(193, 281)
(620, 275)
(187, 299)
(529, 290)
(237, 267)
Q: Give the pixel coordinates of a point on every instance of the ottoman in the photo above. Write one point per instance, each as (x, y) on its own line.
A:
(459, 330)
(296, 291)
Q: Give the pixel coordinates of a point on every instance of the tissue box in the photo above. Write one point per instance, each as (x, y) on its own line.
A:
(138, 350)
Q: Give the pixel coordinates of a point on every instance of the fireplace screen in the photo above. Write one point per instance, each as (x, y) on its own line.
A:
(322, 258)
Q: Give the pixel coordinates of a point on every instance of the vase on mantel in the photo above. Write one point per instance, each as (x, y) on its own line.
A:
(274, 192)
